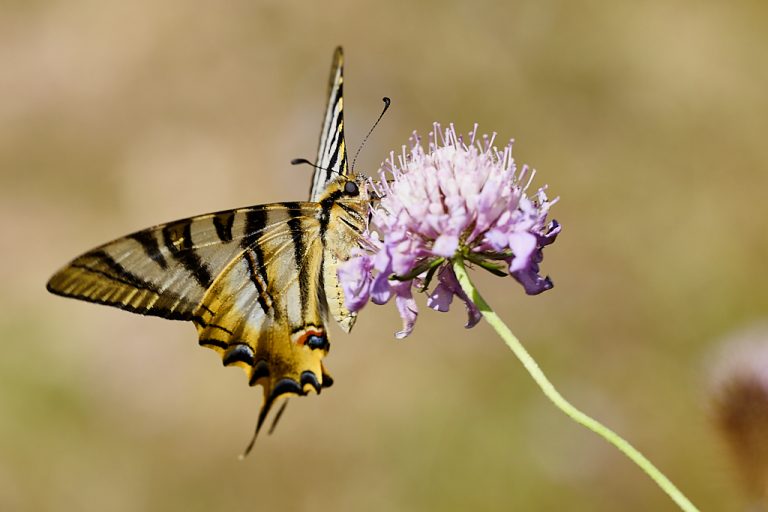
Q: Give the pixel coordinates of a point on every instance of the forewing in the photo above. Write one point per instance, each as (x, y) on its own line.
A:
(332, 151)
(164, 270)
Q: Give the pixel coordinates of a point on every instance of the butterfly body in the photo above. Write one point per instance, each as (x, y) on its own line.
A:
(259, 283)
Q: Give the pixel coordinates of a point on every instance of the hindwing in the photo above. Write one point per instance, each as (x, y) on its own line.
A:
(248, 279)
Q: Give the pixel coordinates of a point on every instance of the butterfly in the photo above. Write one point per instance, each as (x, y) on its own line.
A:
(259, 283)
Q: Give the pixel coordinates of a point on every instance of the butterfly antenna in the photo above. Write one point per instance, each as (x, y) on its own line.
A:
(300, 161)
(387, 102)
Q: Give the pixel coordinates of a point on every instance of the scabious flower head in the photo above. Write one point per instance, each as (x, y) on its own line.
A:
(456, 199)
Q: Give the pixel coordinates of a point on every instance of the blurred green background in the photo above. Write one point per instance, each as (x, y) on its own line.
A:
(648, 119)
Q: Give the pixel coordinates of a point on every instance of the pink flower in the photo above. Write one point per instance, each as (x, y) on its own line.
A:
(457, 199)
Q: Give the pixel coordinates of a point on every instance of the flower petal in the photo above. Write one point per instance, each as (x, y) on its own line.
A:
(446, 245)
(497, 239)
(381, 291)
(532, 282)
(355, 278)
(552, 231)
(473, 314)
(523, 244)
(441, 298)
(408, 310)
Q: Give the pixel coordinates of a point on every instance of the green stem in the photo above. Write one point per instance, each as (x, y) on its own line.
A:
(561, 403)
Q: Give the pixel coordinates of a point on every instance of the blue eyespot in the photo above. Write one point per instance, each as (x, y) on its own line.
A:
(317, 342)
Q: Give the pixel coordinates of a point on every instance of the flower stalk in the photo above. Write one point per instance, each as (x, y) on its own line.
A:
(561, 403)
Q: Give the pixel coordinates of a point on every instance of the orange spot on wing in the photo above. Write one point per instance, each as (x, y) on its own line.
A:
(304, 336)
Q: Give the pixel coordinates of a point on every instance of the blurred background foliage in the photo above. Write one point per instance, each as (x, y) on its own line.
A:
(648, 119)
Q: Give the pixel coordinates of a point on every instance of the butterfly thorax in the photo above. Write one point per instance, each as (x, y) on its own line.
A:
(345, 201)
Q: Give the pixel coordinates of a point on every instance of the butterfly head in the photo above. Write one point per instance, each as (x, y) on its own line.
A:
(348, 188)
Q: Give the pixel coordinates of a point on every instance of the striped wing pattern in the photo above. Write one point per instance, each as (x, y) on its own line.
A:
(331, 151)
(164, 270)
(257, 282)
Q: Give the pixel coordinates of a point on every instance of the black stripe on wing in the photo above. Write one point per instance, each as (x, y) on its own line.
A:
(335, 133)
(151, 247)
(223, 222)
(300, 253)
(259, 279)
(177, 237)
(331, 151)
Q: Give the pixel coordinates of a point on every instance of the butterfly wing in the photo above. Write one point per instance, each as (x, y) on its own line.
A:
(347, 222)
(257, 282)
(331, 151)
(164, 270)
(249, 279)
